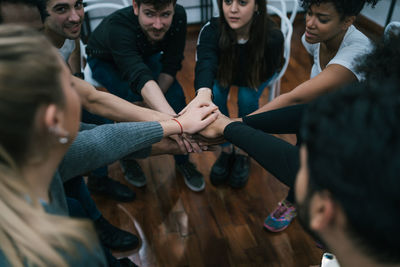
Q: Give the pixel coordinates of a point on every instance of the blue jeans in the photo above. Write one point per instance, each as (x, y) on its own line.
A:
(76, 210)
(76, 189)
(108, 75)
(247, 99)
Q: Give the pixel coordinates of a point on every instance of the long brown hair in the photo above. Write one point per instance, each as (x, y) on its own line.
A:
(30, 74)
(229, 57)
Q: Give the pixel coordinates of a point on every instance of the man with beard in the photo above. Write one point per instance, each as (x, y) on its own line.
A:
(63, 28)
(135, 53)
(347, 188)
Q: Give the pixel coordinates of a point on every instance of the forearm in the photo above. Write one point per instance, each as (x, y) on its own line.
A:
(165, 81)
(113, 107)
(277, 121)
(105, 144)
(154, 97)
(273, 154)
(118, 109)
(281, 101)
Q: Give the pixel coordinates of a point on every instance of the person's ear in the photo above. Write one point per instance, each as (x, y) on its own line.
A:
(135, 8)
(53, 121)
(348, 21)
(322, 211)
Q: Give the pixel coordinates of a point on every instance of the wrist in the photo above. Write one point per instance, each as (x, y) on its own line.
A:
(204, 92)
(180, 125)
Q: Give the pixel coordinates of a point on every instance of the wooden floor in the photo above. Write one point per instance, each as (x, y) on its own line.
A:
(219, 226)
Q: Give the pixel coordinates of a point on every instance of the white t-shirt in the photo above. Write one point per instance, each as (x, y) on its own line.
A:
(67, 48)
(354, 45)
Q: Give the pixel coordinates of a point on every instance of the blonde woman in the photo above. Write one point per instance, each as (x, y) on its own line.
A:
(39, 119)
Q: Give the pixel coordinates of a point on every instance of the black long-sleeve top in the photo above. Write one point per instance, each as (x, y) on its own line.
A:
(208, 55)
(273, 154)
(120, 39)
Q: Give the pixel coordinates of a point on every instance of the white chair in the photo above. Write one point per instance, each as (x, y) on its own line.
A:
(105, 8)
(287, 30)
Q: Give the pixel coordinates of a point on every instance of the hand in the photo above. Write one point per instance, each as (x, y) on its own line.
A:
(208, 142)
(197, 117)
(195, 147)
(215, 130)
(185, 148)
(203, 96)
(167, 146)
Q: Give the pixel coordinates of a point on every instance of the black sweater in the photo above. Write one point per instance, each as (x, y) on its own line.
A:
(208, 55)
(119, 39)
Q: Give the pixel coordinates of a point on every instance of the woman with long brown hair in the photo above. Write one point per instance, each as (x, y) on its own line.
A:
(241, 48)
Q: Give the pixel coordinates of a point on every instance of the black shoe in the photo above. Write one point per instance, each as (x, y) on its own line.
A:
(240, 171)
(113, 237)
(193, 178)
(220, 170)
(133, 173)
(126, 262)
(104, 185)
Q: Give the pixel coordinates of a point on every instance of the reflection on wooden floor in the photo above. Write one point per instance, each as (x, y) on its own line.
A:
(219, 226)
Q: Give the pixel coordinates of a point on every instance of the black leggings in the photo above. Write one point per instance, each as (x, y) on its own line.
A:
(275, 155)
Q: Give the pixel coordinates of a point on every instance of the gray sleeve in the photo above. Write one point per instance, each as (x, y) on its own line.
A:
(107, 143)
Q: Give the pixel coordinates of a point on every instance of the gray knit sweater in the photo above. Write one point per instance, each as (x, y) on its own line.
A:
(96, 146)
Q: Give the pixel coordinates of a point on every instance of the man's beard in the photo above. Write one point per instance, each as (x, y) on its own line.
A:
(303, 212)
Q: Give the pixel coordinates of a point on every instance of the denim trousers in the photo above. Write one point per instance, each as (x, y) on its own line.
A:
(77, 210)
(108, 75)
(247, 99)
(76, 189)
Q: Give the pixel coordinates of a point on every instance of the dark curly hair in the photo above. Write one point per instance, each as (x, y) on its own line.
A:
(343, 7)
(40, 4)
(383, 61)
(353, 144)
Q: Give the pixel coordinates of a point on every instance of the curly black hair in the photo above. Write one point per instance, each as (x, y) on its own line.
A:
(383, 61)
(343, 7)
(40, 4)
(353, 145)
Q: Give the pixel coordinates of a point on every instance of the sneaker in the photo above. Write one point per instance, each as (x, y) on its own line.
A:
(193, 178)
(133, 172)
(240, 171)
(103, 185)
(281, 217)
(113, 237)
(126, 262)
(220, 170)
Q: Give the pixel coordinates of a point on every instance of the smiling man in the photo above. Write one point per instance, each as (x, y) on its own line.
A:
(135, 53)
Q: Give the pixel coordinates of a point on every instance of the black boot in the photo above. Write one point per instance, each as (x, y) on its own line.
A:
(240, 171)
(104, 185)
(113, 237)
(221, 169)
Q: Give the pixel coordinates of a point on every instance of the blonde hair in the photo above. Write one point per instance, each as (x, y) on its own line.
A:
(30, 73)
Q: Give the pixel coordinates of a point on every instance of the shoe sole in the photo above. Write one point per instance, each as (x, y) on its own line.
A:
(135, 183)
(195, 189)
(269, 228)
(130, 181)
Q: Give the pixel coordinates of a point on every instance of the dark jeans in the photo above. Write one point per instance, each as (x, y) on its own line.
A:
(76, 189)
(108, 75)
(76, 210)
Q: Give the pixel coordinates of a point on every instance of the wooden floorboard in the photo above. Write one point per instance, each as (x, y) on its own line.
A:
(219, 226)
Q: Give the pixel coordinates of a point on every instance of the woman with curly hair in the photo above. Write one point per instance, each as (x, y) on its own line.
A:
(335, 44)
